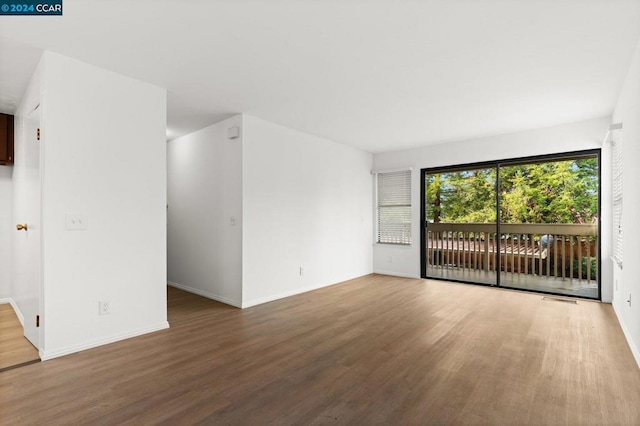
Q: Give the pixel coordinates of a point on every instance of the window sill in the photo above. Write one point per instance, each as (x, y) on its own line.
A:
(393, 245)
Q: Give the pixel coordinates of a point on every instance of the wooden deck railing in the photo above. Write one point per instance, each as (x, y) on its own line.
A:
(554, 250)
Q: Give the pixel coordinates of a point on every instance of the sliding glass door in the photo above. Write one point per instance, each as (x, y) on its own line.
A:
(529, 224)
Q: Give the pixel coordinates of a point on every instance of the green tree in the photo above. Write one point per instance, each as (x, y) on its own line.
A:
(551, 192)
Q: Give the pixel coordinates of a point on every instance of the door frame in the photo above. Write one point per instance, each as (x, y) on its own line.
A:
(569, 155)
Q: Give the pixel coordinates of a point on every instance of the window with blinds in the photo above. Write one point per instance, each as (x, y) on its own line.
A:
(394, 207)
(617, 201)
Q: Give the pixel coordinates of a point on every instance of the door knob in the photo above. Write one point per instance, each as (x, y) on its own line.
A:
(20, 227)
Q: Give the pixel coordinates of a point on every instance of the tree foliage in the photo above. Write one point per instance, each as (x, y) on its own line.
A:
(550, 192)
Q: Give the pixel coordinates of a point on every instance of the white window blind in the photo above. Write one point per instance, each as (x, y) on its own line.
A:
(394, 207)
(617, 201)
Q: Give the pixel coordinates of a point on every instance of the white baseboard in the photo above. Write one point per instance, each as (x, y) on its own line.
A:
(47, 355)
(627, 335)
(10, 301)
(271, 298)
(397, 274)
(206, 294)
(14, 305)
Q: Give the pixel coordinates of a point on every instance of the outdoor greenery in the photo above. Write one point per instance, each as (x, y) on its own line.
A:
(550, 192)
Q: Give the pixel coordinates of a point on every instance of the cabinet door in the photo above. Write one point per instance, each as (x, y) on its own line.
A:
(6, 139)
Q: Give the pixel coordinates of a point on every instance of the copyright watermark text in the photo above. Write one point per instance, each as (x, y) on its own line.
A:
(31, 7)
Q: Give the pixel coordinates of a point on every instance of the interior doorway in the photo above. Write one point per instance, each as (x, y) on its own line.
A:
(529, 223)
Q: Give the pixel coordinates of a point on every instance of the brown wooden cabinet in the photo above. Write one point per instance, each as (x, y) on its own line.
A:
(6, 139)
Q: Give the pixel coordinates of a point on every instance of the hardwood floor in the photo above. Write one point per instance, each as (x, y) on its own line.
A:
(15, 349)
(375, 350)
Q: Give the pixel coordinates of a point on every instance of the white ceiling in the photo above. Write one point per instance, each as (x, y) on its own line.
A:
(377, 75)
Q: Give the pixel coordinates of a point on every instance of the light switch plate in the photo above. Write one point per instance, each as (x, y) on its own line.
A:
(77, 222)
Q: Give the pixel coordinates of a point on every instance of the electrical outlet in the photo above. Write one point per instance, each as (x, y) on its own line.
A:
(629, 299)
(389, 259)
(104, 307)
(301, 271)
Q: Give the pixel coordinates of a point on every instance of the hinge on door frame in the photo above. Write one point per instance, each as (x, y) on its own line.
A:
(38, 133)
(37, 320)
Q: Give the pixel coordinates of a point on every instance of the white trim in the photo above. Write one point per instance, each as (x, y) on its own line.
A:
(47, 355)
(400, 169)
(403, 246)
(14, 305)
(206, 294)
(627, 335)
(397, 274)
(266, 299)
(10, 301)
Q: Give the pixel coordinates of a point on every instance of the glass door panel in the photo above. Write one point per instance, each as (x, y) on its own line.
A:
(461, 240)
(549, 226)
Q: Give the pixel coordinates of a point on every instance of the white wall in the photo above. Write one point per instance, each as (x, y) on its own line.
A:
(627, 111)
(6, 230)
(307, 202)
(405, 261)
(204, 194)
(104, 156)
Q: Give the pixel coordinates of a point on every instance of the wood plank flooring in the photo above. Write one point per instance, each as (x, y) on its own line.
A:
(375, 350)
(15, 349)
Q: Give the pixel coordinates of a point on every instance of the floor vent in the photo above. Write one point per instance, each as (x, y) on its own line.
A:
(560, 299)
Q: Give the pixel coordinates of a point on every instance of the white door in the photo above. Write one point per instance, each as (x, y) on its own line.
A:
(27, 215)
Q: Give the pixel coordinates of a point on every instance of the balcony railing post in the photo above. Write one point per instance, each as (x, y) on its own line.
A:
(571, 258)
(541, 248)
(588, 260)
(580, 258)
(486, 251)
